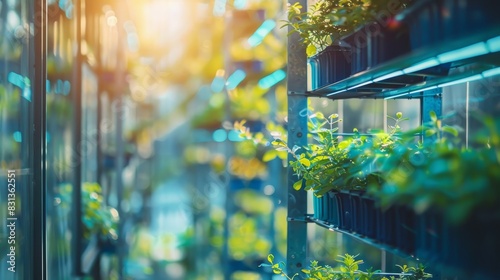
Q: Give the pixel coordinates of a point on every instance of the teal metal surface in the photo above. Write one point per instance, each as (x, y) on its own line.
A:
(378, 82)
(297, 135)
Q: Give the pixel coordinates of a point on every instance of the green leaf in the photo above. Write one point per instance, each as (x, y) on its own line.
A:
(329, 40)
(297, 185)
(269, 155)
(451, 130)
(270, 258)
(311, 50)
(305, 162)
(430, 132)
(433, 116)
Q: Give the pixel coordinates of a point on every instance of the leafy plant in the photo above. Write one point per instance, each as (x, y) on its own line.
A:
(439, 173)
(425, 167)
(327, 21)
(348, 269)
(98, 217)
(332, 162)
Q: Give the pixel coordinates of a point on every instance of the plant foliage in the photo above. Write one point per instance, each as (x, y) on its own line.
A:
(327, 21)
(348, 269)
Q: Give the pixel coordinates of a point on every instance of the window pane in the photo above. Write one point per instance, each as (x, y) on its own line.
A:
(16, 123)
(60, 155)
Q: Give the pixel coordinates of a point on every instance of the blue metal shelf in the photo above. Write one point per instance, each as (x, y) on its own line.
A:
(394, 78)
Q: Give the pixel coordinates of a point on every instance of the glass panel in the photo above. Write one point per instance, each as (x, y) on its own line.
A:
(16, 122)
(60, 156)
(463, 103)
(89, 125)
(366, 114)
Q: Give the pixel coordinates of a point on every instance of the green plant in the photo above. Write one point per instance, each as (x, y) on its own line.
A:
(327, 21)
(425, 167)
(97, 217)
(332, 162)
(439, 173)
(348, 269)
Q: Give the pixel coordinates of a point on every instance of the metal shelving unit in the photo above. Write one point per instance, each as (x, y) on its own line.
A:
(397, 78)
(406, 76)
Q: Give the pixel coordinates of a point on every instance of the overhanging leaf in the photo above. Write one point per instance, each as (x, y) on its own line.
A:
(311, 50)
(297, 185)
(269, 155)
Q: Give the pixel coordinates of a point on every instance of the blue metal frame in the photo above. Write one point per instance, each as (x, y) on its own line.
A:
(38, 196)
(297, 135)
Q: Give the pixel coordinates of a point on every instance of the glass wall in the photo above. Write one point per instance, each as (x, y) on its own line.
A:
(20, 186)
(60, 155)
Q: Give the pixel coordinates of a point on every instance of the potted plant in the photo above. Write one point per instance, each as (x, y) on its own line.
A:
(338, 170)
(323, 28)
(434, 22)
(348, 269)
(98, 218)
(453, 191)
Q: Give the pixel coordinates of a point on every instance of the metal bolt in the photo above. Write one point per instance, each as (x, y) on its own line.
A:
(299, 134)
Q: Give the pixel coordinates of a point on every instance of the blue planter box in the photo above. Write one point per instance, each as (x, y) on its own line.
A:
(374, 44)
(432, 22)
(330, 65)
(346, 211)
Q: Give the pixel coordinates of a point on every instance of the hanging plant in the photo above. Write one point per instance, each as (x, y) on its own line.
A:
(348, 269)
(327, 21)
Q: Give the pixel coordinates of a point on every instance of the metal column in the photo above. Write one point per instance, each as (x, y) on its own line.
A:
(38, 258)
(297, 135)
(431, 101)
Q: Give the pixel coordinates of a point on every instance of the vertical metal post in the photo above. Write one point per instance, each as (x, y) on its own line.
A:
(119, 182)
(297, 135)
(431, 101)
(38, 259)
(119, 107)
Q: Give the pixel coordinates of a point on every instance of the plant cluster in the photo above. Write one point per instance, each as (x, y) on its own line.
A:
(98, 217)
(426, 167)
(439, 173)
(348, 269)
(333, 162)
(327, 21)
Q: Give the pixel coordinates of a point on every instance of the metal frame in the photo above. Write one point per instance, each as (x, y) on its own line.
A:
(297, 135)
(37, 260)
(76, 208)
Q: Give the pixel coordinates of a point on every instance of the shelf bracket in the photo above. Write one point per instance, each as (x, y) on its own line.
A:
(306, 219)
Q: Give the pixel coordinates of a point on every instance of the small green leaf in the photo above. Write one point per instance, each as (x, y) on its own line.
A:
(305, 162)
(329, 40)
(430, 132)
(270, 258)
(297, 185)
(450, 130)
(433, 116)
(269, 155)
(311, 50)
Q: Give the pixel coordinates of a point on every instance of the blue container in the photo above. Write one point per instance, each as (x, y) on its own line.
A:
(346, 212)
(432, 22)
(405, 229)
(333, 64)
(369, 217)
